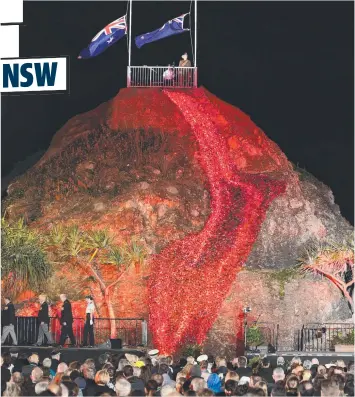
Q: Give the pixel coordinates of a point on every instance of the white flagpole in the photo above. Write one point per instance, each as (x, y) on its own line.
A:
(130, 33)
(195, 60)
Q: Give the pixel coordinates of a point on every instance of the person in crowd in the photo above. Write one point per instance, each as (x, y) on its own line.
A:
(8, 321)
(214, 383)
(330, 389)
(12, 390)
(5, 375)
(305, 389)
(123, 388)
(136, 383)
(102, 378)
(43, 319)
(242, 369)
(89, 322)
(66, 321)
(278, 390)
(33, 361)
(265, 370)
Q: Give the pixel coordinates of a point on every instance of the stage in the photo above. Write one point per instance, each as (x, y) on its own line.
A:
(81, 354)
(69, 354)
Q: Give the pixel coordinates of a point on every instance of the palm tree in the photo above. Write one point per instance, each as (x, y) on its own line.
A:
(334, 261)
(24, 263)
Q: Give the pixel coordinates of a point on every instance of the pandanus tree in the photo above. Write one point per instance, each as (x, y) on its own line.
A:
(335, 262)
(24, 263)
(90, 251)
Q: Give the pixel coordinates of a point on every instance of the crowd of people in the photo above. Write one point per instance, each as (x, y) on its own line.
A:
(114, 374)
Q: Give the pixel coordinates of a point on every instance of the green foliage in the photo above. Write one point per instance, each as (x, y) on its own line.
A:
(254, 336)
(252, 361)
(343, 338)
(24, 263)
(192, 349)
(134, 252)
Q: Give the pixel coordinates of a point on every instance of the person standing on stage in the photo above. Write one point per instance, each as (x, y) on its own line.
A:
(89, 322)
(67, 321)
(43, 318)
(8, 322)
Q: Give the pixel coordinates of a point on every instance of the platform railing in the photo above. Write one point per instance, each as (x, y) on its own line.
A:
(132, 331)
(161, 76)
(319, 336)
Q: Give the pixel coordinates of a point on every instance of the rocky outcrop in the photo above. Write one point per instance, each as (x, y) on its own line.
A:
(135, 167)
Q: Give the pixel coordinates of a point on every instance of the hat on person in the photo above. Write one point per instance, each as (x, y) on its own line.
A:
(139, 364)
(203, 357)
(80, 382)
(153, 352)
(195, 371)
(330, 365)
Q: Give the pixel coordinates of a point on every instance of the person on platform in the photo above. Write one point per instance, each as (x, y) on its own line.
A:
(43, 319)
(89, 322)
(66, 321)
(184, 75)
(8, 322)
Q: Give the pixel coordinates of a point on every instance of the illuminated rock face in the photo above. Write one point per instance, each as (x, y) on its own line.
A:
(199, 183)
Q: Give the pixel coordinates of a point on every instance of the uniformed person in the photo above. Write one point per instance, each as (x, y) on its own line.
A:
(8, 321)
(43, 319)
(89, 322)
(66, 321)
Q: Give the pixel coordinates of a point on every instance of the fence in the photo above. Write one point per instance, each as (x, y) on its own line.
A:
(161, 76)
(320, 336)
(132, 331)
(268, 333)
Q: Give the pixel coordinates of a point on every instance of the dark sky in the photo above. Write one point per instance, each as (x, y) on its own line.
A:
(289, 65)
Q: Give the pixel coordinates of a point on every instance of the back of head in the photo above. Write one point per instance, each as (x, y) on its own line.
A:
(12, 390)
(123, 388)
(163, 369)
(232, 375)
(198, 384)
(128, 371)
(349, 384)
(205, 393)
(41, 386)
(47, 362)
(158, 378)
(102, 377)
(329, 389)
(151, 385)
(166, 390)
(230, 387)
(62, 367)
(278, 390)
(278, 374)
(305, 389)
(36, 375)
(242, 390)
(291, 382)
(242, 362)
(18, 378)
(34, 358)
(88, 371)
(339, 380)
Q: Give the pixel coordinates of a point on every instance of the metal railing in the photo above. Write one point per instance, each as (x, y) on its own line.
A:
(320, 336)
(269, 333)
(161, 76)
(132, 331)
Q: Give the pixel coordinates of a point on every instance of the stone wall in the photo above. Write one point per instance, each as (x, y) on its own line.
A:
(299, 301)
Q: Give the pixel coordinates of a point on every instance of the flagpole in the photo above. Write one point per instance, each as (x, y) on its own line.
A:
(130, 33)
(195, 60)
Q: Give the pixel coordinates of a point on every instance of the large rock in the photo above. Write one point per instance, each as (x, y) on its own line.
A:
(135, 167)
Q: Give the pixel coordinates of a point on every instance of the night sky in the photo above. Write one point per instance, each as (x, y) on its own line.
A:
(289, 65)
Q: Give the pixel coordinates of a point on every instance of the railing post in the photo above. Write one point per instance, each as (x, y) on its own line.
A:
(128, 76)
(195, 77)
(144, 333)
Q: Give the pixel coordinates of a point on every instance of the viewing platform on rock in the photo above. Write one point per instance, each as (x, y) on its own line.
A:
(161, 76)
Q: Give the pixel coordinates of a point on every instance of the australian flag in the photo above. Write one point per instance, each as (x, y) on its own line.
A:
(175, 26)
(109, 35)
